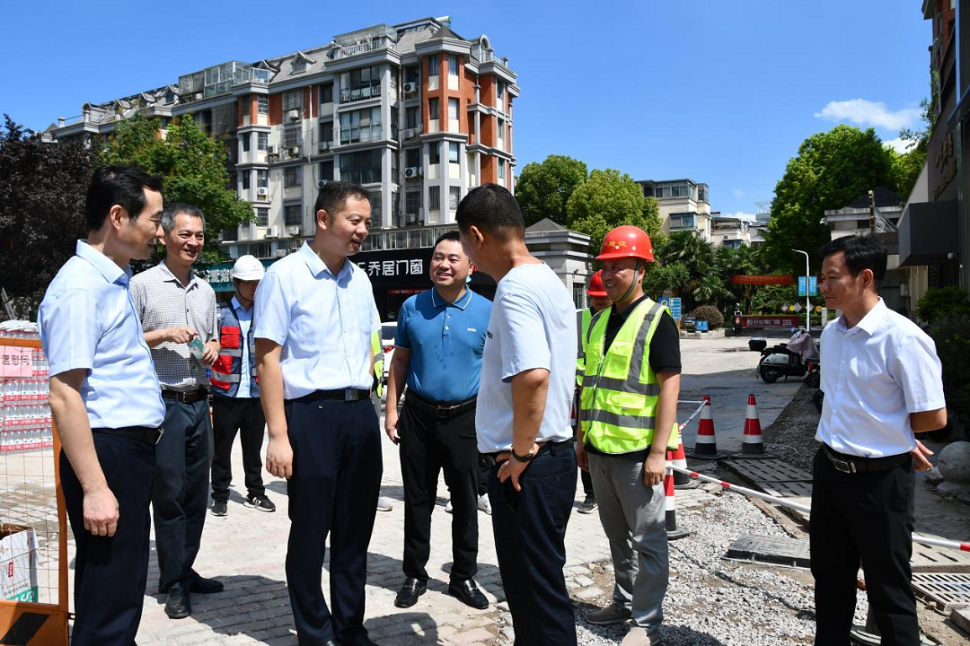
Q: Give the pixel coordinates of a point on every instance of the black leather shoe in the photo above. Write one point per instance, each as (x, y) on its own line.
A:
(178, 605)
(202, 585)
(331, 642)
(408, 595)
(468, 593)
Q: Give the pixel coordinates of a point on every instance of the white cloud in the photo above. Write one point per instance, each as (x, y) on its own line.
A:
(899, 145)
(750, 217)
(738, 193)
(869, 113)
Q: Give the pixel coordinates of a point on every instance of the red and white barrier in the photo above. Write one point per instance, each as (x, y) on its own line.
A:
(706, 446)
(754, 446)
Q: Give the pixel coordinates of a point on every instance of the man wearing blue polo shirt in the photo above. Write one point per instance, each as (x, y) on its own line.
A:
(437, 332)
(107, 404)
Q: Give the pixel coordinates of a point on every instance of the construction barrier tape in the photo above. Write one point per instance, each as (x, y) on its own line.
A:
(680, 427)
(924, 540)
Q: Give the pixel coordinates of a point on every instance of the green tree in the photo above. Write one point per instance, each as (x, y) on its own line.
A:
(543, 188)
(43, 187)
(608, 199)
(906, 166)
(194, 167)
(831, 170)
(660, 278)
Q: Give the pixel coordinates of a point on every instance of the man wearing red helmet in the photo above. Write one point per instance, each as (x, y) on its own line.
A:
(598, 301)
(627, 421)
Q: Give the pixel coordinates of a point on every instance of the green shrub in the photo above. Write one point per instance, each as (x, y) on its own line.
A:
(710, 314)
(941, 303)
(952, 338)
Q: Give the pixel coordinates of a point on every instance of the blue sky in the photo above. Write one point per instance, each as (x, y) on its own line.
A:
(720, 91)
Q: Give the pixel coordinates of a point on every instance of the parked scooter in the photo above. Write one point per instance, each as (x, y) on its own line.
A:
(797, 358)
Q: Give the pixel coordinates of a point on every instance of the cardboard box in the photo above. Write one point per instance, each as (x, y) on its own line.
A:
(18, 563)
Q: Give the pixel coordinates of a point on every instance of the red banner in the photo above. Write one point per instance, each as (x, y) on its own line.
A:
(743, 279)
(784, 321)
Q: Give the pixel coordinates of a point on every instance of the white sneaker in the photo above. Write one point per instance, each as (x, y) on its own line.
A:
(384, 504)
(484, 504)
(448, 507)
(639, 637)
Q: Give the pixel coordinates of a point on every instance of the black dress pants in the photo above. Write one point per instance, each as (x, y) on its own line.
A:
(428, 445)
(110, 574)
(530, 531)
(336, 480)
(244, 416)
(865, 516)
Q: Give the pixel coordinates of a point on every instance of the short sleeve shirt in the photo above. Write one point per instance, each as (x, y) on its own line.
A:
(446, 341)
(532, 326)
(874, 376)
(323, 322)
(87, 321)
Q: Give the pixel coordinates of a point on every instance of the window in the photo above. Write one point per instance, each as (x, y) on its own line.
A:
(433, 66)
(412, 202)
(262, 217)
(229, 235)
(453, 148)
(326, 93)
(375, 208)
(262, 178)
(661, 191)
(411, 117)
(245, 180)
(361, 125)
(292, 176)
(293, 100)
(245, 105)
(454, 197)
(292, 135)
(292, 215)
(500, 130)
(262, 104)
(434, 152)
(702, 193)
(244, 140)
(394, 177)
(362, 167)
(453, 65)
(453, 109)
(299, 65)
(262, 140)
(326, 132)
(434, 198)
(326, 170)
(356, 84)
(412, 157)
(500, 91)
(501, 169)
(432, 108)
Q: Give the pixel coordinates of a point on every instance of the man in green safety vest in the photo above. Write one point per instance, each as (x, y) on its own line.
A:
(627, 420)
(598, 301)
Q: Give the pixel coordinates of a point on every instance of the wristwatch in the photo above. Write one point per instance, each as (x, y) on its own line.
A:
(524, 458)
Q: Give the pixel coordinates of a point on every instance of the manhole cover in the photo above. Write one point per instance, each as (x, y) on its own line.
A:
(778, 550)
(928, 558)
(943, 588)
(774, 477)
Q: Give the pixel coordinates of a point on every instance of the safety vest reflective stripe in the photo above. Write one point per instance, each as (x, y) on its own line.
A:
(651, 390)
(221, 376)
(581, 355)
(627, 421)
(230, 352)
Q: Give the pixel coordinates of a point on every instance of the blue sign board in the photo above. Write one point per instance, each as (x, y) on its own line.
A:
(801, 285)
(702, 326)
(673, 304)
(813, 285)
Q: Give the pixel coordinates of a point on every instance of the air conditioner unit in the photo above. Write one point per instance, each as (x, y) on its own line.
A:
(410, 218)
(294, 151)
(262, 192)
(354, 95)
(272, 232)
(293, 230)
(293, 115)
(411, 172)
(272, 150)
(324, 146)
(410, 88)
(281, 253)
(323, 182)
(410, 133)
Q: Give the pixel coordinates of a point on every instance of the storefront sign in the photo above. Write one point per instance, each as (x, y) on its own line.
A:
(743, 279)
(769, 321)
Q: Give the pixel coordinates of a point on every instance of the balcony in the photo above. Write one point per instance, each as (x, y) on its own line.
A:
(350, 95)
(356, 134)
(683, 222)
(363, 48)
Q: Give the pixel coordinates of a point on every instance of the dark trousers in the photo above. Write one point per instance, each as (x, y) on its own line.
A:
(229, 416)
(869, 517)
(180, 494)
(530, 532)
(428, 445)
(110, 574)
(336, 480)
(587, 483)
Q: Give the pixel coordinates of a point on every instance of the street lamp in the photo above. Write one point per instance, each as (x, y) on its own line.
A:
(808, 303)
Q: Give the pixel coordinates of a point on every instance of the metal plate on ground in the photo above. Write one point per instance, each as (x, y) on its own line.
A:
(942, 588)
(774, 477)
(777, 550)
(927, 558)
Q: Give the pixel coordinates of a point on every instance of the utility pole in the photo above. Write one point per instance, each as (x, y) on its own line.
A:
(808, 302)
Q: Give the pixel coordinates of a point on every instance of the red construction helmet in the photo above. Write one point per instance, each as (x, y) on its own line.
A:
(595, 287)
(626, 242)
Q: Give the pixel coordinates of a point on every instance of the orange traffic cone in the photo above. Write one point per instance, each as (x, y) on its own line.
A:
(679, 459)
(754, 446)
(706, 446)
(670, 507)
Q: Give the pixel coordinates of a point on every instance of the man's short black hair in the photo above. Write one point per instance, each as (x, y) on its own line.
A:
(861, 252)
(447, 235)
(121, 185)
(334, 195)
(493, 210)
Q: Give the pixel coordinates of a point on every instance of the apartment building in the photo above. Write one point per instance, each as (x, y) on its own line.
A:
(684, 205)
(730, 231)
(413, 112)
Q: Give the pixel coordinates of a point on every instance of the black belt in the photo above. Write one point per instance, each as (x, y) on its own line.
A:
(441, 410)
(341, 395)
(491, 459)
(857, 464)
(187, 397)
(146, 434)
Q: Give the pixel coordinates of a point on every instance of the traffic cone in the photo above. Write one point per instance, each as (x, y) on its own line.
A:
(706, 446)
(670, 507)
(679, 459)
(754, 446)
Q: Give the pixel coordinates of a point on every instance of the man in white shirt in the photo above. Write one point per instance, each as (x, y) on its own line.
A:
(883, 383)
(522, 420)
